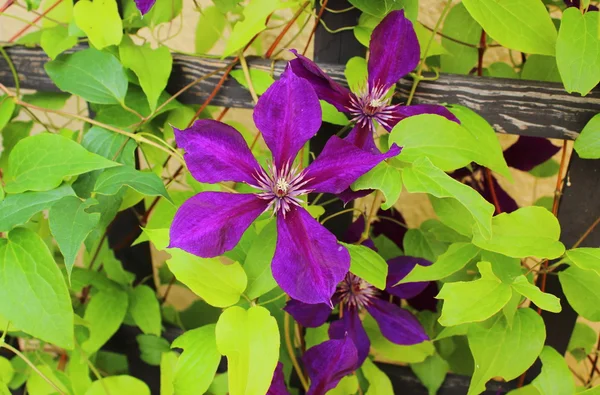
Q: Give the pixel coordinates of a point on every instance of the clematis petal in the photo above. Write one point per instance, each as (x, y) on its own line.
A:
(394, 50)
(398, 268)
(144, 5)
(528, 152)
(210, 223)
(216, 152)
(327, 363)
(308, 315)
(362, 137)
(401, 112)
(288, 115)
(396, 324)
(309, 262)
(326, 88)
(278, 386)
(426, 300)
(350, 325)
(340, 164)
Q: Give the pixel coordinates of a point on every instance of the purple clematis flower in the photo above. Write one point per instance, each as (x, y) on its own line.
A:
(144, 5)
(278, 386)
(355, 294)
(327, 363)
(308, 262)
(394, 52)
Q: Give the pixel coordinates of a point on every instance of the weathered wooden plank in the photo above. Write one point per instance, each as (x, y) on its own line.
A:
(511, 106)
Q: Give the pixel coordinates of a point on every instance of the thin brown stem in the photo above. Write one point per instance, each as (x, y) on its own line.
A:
(314, 29)
(292, 353)
(586, 233)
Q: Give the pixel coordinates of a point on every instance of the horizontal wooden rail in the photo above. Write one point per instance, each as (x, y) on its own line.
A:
(512, 106)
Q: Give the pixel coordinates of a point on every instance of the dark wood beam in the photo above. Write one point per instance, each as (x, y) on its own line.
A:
(521, 107)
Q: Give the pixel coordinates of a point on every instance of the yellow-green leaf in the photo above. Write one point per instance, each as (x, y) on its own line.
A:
(250, 340)
(100, 20)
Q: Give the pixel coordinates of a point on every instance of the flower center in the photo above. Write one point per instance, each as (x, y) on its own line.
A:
(355, 293)
(371, 105)
(281, 187)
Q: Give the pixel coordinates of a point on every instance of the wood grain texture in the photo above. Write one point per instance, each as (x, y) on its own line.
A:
(512, 106)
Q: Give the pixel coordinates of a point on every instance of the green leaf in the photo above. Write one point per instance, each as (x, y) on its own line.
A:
(348, 385)
(487, 140)
(529, 231)
(541, 68)
(356, 73)
(447, 144)
(254, 21)
(379, 382)
(366, 24)
(473, 301)
(546, 202)
(261, 80)
(218, 284)
(36, 385)
(587, 143)
(34, 294)
(424, 177)
(582, 342)
(209, 28)
(118, 385)
(258, 262)
(386, 248)
(455, 258)
(547, 169)
(581, 289)
(543, 300)
(105, 79)
(168, 362)
(6, 370)
(4, 389)
(18, 209)
(385, 178)
(197, 365)
(422, 245)
(578, 51)
(250, 340)
(112, 180)
(501, 70)
(386, 351)
(78, 372)
(443, 233)
(7, 107)
(432, 372)
(42, 161)
(151, 348)
(61, 13)
(316, 336)
(152, 67)
(585, 258)
(145, 310)
(523, 25)
(332, 115)
(380, 8)
(424, 37)
(163, 11)
(100, 20)
(56, 40)
(460, 25)
(367, 264)
(105, 312)
(49, 100)
(11, 135)
(453, 214)
(555, 378)
(70, 224)
(503, 350)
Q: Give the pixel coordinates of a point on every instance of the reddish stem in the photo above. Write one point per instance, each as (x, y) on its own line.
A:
(36, 20)
(490, 182)
(314, 29)
(285, 30)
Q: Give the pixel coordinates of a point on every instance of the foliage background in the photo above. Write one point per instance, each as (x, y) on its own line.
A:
(415, 208)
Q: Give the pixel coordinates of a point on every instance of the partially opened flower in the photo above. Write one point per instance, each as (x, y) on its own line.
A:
(394, 52)
(144, 5)
(355, 295)
(308, 262)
